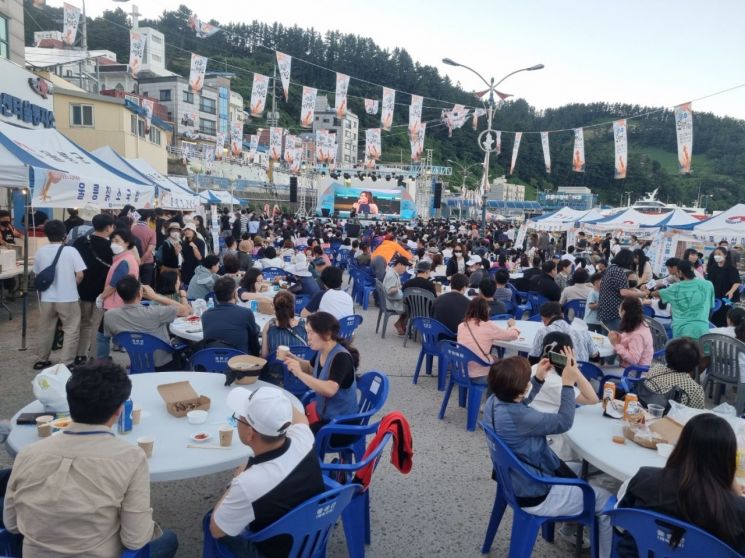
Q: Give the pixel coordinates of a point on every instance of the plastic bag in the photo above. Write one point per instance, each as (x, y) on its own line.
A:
(725, 409)
(49, 388)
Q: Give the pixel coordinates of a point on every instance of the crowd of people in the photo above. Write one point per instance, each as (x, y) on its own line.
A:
(107, 265)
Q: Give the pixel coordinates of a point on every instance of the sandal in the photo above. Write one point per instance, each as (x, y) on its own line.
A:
(42, 364)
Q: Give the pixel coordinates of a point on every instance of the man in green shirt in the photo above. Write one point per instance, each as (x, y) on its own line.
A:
(690, 300)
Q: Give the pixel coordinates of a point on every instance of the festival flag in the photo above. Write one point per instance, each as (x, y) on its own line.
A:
(284, 62)
(546, 152)
(275, 143)
(578, 159)
(454, 118)
(297, 159)
(684, 133)
(621, 145)
(415, 115)
(498, 133)
(373, 149)
(136, 50)
(189, 124)
(331, 148)
(253, 145)
(308, 107)
(289, 154)
(515, 148)
(220, 146)
(236, 138)
(477, 113)
(389, 103)
(417, 142)
(320, 145)
(371, 106)
(148, 105)
(258, 94)
(340, 99)
(197, 71)
(201, 28)
(71, 19)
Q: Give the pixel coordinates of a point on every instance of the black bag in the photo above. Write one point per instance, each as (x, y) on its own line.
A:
(647, 396)
(45, 277)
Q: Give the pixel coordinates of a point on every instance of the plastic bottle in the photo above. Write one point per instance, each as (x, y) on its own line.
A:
(740, 473)
(210, 303)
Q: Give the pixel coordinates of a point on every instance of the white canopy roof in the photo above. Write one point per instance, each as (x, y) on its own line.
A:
(561, 220)
(63, 174)
(627, 219)
(729, 225)
(225, 197)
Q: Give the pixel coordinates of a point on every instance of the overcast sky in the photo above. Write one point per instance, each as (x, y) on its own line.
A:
(643, 52)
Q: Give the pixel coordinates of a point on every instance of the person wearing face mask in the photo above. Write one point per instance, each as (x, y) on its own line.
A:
(726, 280)
(193, 250)
(690, 301)
(8, 235)
(457, 263)
(124, 263)
(170, 251)
(525, 429)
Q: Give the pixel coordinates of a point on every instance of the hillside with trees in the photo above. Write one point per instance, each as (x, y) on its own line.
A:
(718, 145)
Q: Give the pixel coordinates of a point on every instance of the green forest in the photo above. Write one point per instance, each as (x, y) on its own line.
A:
(718, 144)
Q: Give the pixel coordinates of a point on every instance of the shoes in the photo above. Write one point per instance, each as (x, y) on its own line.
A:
(79, 360)
(568, 533)
(42, 364)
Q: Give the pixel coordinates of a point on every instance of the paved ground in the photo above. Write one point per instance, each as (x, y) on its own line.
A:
(440, 509)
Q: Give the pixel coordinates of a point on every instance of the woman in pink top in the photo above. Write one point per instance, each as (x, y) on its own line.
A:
(633, 342)
(125, 263)
(478, 333)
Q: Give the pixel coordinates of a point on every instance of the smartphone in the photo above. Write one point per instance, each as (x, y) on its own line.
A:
(557, 359)
(29, 418)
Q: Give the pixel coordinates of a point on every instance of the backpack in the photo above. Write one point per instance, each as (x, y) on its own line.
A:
(45, 277)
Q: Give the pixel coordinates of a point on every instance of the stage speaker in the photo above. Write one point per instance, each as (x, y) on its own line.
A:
(293, 189)
(438, 195)
(325, 211)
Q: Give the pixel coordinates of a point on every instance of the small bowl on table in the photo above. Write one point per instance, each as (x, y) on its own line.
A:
(197, 416)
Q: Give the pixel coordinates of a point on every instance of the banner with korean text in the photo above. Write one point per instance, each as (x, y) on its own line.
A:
(148, 105)
(415, 116)
(417, 142)
(71, 20)
(371, 106)
(373, 150)
(389, 104)
(621, 148)
(515, 149)
(308, 106)
(258, 94)
(275, 143)
(136, 50)
(196, 72)
(236, 138)
(684, 133)
(578, 157)
(546, 152)
(340, 99)
(284, 63)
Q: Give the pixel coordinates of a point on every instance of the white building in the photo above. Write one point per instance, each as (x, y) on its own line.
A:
(501, 190)
(346, 129)
(12, 40)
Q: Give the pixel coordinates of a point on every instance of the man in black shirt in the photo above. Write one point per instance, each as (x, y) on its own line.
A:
(95, 249)
(421, 280)
(74, 220)
(545, 283)
(487, 288)
(450, 308)
(523, 284)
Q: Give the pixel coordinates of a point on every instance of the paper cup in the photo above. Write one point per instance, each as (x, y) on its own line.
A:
(226, 436)
(136, 415)
(44, 419)
(146, 443)
(44, 429)
(282, 351)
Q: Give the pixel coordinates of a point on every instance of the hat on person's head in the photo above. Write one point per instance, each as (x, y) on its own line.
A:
(191, 227)
(265, 409)
(88, 212)
(402, 260)
(319, 261)
(423, 266)
(433, 250)
(174, 225)
(301, 266)
(473, 260)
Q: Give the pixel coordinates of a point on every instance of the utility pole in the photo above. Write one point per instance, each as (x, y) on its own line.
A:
(84, 30)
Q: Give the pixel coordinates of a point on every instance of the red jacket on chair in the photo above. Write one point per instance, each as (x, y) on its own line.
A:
(402, 451)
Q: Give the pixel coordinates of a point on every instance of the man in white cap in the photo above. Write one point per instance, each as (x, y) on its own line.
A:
(283, 473)
(305, 284)
(475, 269)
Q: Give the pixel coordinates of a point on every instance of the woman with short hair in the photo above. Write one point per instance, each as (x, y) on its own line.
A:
(682, 356)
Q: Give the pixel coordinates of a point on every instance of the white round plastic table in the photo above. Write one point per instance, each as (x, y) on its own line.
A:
(591, 437)
(192, 331)
(528, 331)
(171, 459)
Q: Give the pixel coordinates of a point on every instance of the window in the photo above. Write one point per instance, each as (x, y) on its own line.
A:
(207, 126)
(156, 58)
(154, 135)
(4, 47)
(144, 94)
(165, 94)
(81, 115)
(157, 40)
(141, 128)
(133, 124)
(189, 97)
(207, 105)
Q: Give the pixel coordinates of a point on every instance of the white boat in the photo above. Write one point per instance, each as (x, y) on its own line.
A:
(650, 205)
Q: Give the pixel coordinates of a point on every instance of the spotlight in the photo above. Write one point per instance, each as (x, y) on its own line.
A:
(387, 177)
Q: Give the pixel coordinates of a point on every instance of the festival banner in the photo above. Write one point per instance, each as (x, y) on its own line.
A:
(417, 142)
(202, 29)
(331, 148)
(498, 133)
(320, 145)
(253, 146)
(415, 116)
(189, 124)
(578, 159)
(373, 149)
(148, 105)
(371, 106)
(290, 144)
(275, 143)
(71, 19)
(236, 138)
(515, 148)
(258, 94)
(308, 107)
(284, 62)
(386, 113)
(477, 113)
(197, 71)
(220, 146)
(297, 160)
(136, 51)
(621, 148)
(522, 232)
(684, 133)
(455, 118)
(340, 99)
(546, 152)
(39, 3)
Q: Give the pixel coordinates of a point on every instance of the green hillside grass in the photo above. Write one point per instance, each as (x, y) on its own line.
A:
(669, 160)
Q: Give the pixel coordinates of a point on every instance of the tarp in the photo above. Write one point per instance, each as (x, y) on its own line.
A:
(728, 225)
(627, 219)
(219, 196)
(63, 174)
(675, 219)
(561, 220)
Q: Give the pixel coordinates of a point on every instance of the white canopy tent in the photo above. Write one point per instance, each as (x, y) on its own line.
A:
(628, 219)
(728, 225)
(675, 219)
(561, 220)
(63, 174)
(226, 198)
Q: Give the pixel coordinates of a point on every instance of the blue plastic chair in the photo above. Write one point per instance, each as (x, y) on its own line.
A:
(289, 381)
(356, 517)
(455, 359)
(364, 286)
(577, 307)
(301, 301)
(343, 258)
(648, 311)
(10, 542)
(501, 317)
(348, 325)
(432, 333)
(635, 371)
(717, 306)
(213, 360)
(535, 318)
(141, 349)
(651, 531)
(525, 526)
(270, 273)
(519, 301)
(308, 525)
(210, 296)
(536, 301)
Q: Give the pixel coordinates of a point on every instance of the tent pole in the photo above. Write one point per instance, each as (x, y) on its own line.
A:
(24, 279)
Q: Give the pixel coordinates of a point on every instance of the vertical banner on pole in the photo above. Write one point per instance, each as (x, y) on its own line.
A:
(684, 133)
(546, 152)
(578, 157)
(389, 103)
(275, 143)
(515, 148)
(371, 106)
(308, 106)
(621, 148)
(340, 99)
(372, 144)
(148, 105)
(258, 94)
(71, 20)
(415, 116)
(284, 63)
(196, 72)
(136, 50)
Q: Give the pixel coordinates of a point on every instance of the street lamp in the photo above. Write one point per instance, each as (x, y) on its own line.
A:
(487, 147)
(464, 171)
